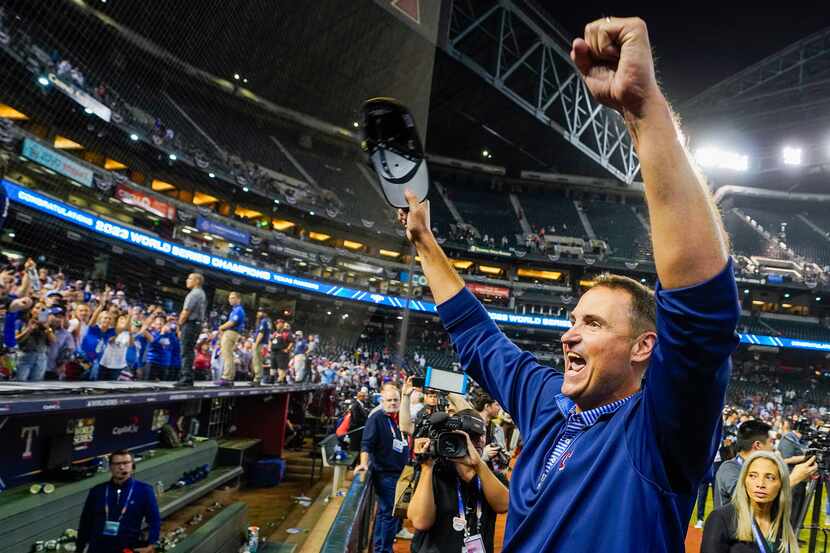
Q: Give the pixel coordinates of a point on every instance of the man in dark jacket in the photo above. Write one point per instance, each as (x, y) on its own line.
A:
(359, 413)
(115, 510)
(384, 447)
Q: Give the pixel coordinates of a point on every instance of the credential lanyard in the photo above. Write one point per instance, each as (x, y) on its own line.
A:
(392, 428)
(126, 502)
(462, 511)
(759, 539)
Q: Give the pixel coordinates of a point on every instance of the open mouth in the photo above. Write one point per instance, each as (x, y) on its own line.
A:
(575, 362)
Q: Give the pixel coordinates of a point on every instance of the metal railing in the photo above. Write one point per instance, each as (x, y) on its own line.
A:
(352, 526)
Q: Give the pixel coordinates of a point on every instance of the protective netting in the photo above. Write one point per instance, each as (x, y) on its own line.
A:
(130, 129)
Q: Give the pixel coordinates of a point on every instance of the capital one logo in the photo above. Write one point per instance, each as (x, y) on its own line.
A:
(131, 428)
(27, 433)
(377, 298)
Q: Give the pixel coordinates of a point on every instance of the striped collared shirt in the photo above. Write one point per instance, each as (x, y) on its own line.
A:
(576, 424)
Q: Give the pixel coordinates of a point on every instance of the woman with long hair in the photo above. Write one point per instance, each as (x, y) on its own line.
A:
(758, 518)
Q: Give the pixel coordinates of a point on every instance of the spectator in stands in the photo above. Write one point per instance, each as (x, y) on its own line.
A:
(263, 337)
(455, 502)
(116, 511)
(33, 339)
(571, 418)
(231, 330)
(98, 334)
(301, 375)
(190, 321)
(63, 345)
(79, 325)
(159, 345)
(114, 359)
(280, 346)
(758, 516)
(754, 435)
(384, 447)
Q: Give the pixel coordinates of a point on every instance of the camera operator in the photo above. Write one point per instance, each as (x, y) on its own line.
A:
(496, 453)
(793, 450)
(455, 501)
(754, 435)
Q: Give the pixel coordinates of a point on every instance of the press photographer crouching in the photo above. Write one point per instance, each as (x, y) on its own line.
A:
(457, 496)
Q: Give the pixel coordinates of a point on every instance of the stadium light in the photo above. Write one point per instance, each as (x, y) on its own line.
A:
(746, 290)
(172, 157)
(88, 111)
(276, 201)
(42, 81)
(791, 155)
(211, 175)
(133, 137)
(244, 188)
(717, 158)
(818, 298)
(311, 213)
(486, 154)
(12, 235)
(245, 81)
(236, 76)
(355, 124)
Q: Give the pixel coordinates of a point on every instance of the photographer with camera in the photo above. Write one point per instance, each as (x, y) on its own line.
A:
(496, 453)
(793, 449)
(457, 496)
(754, 435)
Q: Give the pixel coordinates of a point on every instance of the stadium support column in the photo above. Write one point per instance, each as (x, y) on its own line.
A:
(406, 311)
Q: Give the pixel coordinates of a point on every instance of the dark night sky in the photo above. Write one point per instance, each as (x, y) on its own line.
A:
(697, 51)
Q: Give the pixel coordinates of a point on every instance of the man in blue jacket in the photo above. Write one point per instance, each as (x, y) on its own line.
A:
(609, 465)
(114, 511)
(384, 446)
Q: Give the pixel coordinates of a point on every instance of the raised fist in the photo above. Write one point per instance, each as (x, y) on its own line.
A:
(615, 60)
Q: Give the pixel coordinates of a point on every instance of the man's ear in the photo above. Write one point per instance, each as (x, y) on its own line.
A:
(643, 347)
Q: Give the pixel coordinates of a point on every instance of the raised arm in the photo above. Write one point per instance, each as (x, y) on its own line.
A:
(616, 63)
(697, 307)
(444, 281)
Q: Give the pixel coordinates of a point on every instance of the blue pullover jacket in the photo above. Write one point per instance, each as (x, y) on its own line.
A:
(142, 507)
(628, 482)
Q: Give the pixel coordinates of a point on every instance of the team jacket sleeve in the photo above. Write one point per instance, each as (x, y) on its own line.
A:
(686, 382)
(512, 376)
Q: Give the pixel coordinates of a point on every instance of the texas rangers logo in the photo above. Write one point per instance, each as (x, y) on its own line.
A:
(567, 455)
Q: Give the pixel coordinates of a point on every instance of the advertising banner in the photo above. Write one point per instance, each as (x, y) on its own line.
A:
(145, 202)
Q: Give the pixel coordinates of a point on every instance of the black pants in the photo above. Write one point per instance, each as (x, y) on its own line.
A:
(190, 334)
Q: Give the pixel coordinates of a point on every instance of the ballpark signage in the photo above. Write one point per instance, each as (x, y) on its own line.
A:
(56, 208)
(206, 225)
(145, 202)
(58, 163)
(488, 290)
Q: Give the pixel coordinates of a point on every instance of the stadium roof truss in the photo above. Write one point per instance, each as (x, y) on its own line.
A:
(793, 80)
(511, 51)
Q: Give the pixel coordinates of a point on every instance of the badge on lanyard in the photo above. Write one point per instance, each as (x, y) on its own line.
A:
(111, 526)
(474, 544)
